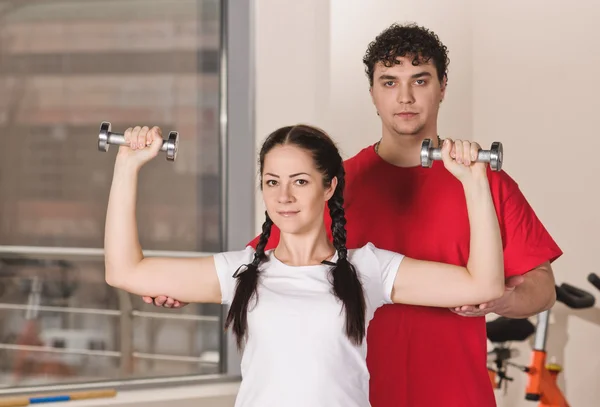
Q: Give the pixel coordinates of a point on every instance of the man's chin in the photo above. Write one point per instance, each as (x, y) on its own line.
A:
(409, 132)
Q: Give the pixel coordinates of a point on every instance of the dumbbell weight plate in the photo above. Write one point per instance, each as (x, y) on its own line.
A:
(496, 156)
(103, 137)
(425, 159)
(172, 146)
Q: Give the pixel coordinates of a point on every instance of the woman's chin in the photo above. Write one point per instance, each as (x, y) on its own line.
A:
(290, 229)
(291, 226)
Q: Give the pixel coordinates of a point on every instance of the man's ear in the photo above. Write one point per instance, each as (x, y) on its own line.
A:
(373, 99)
(443, 86)
(331, 189)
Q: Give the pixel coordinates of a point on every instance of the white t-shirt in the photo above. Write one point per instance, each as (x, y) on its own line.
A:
(297, 353)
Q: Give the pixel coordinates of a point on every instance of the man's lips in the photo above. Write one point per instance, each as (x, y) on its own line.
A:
(406, 114)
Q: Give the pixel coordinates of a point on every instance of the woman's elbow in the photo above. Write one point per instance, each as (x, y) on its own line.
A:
(111, 280)
(114, 277)
(493, 292)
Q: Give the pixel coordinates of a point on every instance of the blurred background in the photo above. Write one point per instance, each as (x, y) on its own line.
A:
(66, 65)
(224, 73)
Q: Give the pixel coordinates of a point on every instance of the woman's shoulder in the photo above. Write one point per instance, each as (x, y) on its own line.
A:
(243, 256)
(369, 249)
(371, 255)
(364, 255)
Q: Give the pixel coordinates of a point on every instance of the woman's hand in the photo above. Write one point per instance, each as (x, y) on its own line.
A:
(460, 156)
(142, 145)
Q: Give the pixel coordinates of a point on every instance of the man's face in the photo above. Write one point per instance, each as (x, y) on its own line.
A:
(407, 97)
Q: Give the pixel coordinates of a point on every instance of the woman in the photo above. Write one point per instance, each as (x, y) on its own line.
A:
(300, 311)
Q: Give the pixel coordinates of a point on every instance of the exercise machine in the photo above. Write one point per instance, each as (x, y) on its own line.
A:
(542, 378)
(594, 280)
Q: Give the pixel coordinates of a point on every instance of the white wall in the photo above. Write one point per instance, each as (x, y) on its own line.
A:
(292, 67)
(535, 87)
(522, 72)
(354, 23)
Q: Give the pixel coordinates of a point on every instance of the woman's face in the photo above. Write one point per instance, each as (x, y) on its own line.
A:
(293, 189)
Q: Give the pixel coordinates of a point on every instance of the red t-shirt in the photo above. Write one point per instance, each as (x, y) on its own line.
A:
(424, 356)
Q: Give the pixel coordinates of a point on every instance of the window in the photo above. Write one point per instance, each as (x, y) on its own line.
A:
(66, 66)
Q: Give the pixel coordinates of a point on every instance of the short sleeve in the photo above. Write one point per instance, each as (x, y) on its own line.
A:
(527, 243)
(388, 262)
(226, 264)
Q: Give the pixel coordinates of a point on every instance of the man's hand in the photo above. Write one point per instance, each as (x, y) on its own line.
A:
(163, 301)
(495, 306)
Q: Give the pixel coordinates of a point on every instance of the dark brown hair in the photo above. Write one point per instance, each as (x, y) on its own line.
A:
(406, 40)
(344, 278)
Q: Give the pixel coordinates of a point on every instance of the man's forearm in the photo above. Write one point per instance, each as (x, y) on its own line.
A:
(536, 294)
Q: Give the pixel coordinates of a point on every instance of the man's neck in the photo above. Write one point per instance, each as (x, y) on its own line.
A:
(403, 151)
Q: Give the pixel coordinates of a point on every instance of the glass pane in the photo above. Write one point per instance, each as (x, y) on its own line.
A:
(66, 66)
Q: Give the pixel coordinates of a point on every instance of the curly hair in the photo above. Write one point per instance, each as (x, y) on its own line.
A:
(402, 40)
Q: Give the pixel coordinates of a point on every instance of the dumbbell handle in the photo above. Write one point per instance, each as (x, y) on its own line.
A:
(482, 155)
(119, 140)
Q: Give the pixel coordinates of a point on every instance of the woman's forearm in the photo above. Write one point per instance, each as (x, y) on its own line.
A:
(486, 261)
(121, 243)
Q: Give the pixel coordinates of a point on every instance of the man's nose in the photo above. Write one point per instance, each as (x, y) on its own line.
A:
(405, 94)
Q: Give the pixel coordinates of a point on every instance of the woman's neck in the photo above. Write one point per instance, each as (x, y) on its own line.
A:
(305, 249)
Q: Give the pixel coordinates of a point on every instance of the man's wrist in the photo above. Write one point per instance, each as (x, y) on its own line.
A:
(506, 307)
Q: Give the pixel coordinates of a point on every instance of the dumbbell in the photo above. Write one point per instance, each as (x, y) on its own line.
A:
(106, 138)
(493, 156)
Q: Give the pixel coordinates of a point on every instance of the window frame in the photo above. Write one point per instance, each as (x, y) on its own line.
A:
(237, 190)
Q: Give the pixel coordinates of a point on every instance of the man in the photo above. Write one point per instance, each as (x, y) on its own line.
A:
(393, 202)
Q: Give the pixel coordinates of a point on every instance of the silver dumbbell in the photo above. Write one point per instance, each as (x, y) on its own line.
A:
(106, 138)
(493, 156)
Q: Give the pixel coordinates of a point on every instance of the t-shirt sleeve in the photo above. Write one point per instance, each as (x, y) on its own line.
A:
(226, 264)
(388, 262)
(527, 243)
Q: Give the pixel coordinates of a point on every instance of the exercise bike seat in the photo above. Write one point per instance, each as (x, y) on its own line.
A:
(505, 329)
(574, 297)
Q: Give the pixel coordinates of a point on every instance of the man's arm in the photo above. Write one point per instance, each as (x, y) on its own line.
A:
(535, 294)
(524, 296)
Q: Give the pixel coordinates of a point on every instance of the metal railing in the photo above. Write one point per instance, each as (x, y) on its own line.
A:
(125, 313)
(39, 252)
